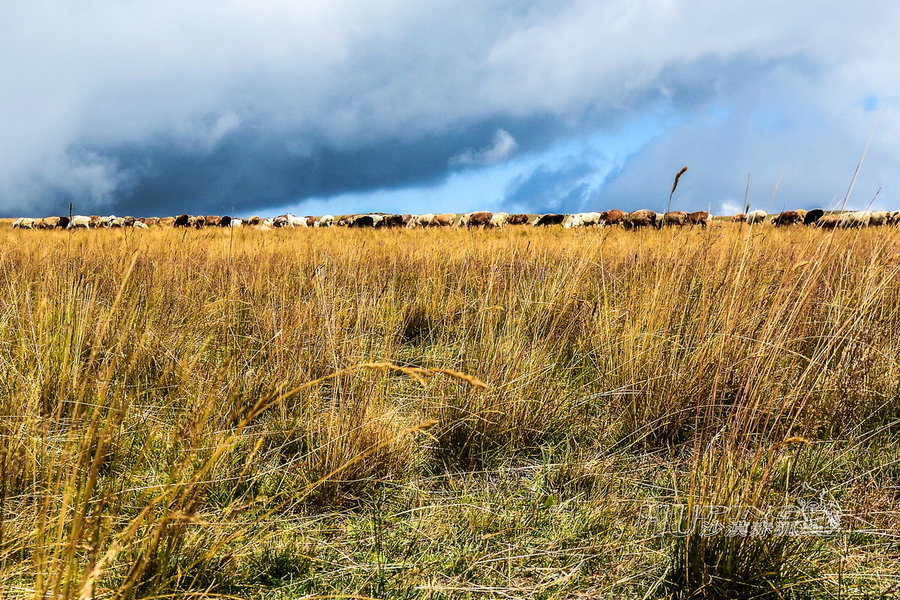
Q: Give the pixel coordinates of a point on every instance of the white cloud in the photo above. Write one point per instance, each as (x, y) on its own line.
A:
(500, 149)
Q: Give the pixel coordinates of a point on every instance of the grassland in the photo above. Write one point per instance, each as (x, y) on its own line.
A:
(263, 414)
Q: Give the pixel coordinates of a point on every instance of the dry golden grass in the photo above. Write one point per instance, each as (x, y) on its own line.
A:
(442, 413)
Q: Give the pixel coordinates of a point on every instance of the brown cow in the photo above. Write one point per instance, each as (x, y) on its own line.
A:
(700, 217)
(739, 218)
(95, 221)
(675, 218)
(392, 221)
(517, 219)
(788, 217)
(311, 221)
(549, 219)
(443, 220)
(153, 221)
(211, 221)
(640, 218)
(612, 217)
(254, 220)
(479, 219)
(828, 221)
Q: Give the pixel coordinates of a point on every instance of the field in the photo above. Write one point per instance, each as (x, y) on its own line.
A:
(446, 414)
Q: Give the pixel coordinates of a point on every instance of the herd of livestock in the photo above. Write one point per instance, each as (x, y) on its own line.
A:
(631, 220)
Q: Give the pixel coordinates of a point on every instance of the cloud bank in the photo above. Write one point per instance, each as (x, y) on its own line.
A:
(156, 107)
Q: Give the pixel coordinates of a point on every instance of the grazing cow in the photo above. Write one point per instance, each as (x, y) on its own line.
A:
(79, 221)
(739, 218)
(182, 221)
(139, 225)
(280, 221)
(879, 218)
(254, 220)
(499, 219)
(325, 221)
(813, 216)
(116, 222)
(225, 221)
(153, 221)
(675, 218)
(391, 221)
(518, 219)
(756, 216)
(894, 218)
(236, 223)
(211, 221)
(549, 219)
(17, 223)
(24, 223)
(420, 220)
(443, 220)
(828, 221)
(295, 221)
(788, 217)
(166, 222)
(612, 217)
(477, 219)
(582, 220)
(47, 223)
(699, 217)
(364, 221)
(640, 218)
(860, 218)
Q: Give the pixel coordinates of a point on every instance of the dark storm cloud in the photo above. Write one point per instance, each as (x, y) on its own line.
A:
(251, 169)
(160, 106)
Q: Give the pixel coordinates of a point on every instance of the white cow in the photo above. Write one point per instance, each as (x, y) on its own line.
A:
(756, 216)
(295, 221)
(859, 218)
(587, 219)
(325, 221)
(79, 221)
(421, 220)
(499, 219)
(879, 217)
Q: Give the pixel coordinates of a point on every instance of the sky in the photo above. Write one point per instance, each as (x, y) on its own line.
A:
(158, 107)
